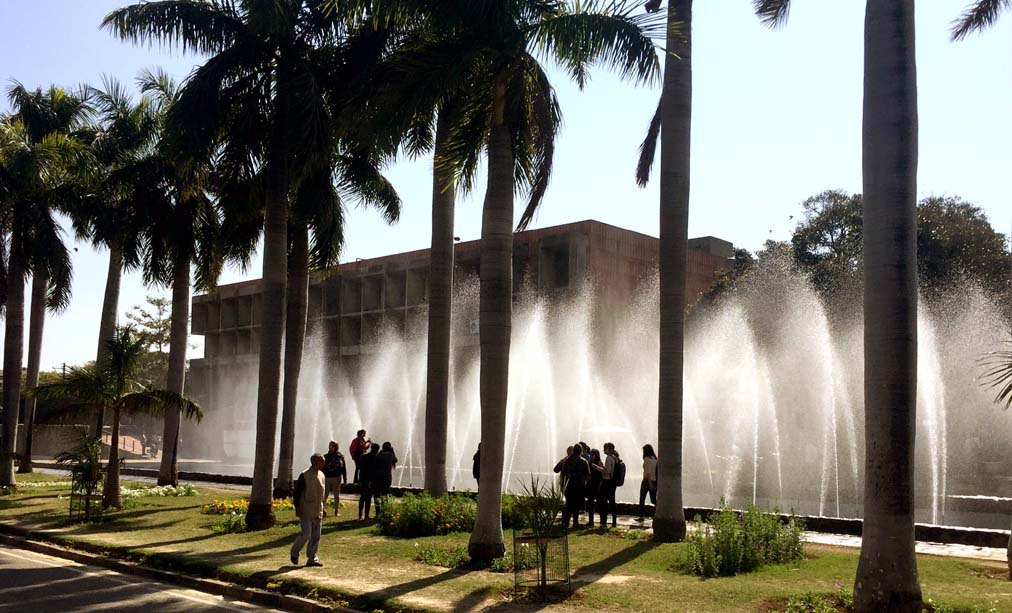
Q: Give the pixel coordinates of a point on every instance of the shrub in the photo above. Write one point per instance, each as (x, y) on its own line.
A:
(422, 515)
(230, 523)
(730, 544)
(811, 603)
(240, 505)
(452, 557)
(158, 490)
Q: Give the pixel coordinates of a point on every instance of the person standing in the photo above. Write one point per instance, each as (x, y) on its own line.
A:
(382, 476)
(594, 485)
(476, 465)
(649, 483)
(359, 446)
(612, 477)
(309, 493)
(335, 473)
(575, 472)
(365, 469)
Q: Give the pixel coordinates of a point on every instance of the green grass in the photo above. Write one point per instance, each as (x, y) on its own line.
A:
(368, 571)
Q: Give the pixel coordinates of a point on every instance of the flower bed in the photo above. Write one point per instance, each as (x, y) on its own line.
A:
(241, 505)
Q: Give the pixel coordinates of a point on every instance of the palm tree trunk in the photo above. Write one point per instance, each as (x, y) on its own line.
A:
(676, 123)
(36, 325)
(437, 375)
(260, 514)
(175, 380)
(297, 299)
(14, 332)
(887, 569)
(110, 492)
(494, 328)
(107, 324)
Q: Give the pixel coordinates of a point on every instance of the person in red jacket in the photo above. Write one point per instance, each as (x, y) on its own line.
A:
(359, 446)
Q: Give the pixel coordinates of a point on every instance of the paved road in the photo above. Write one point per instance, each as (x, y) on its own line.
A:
(35, 583)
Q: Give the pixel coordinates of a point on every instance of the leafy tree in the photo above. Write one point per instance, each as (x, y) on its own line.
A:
(269, 81)
(887, 569)
(115, 386)
(41, 161)
(153, 322)
(488, 49)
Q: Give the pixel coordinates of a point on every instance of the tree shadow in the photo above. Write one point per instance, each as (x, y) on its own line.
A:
(388, 593)
(581, 577)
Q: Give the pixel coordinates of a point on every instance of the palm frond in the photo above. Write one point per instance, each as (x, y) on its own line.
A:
(85, 384)
(611, 33)
(542, 127)
(205, 27)
(980, 15)
(997, 367)
(648, 148)
(158, 402)
(772, 13)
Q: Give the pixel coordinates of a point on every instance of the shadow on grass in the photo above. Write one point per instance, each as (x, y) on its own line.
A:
(582, 577)
(384, 595)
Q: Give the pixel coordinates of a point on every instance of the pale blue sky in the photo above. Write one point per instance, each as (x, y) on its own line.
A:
(777, 117)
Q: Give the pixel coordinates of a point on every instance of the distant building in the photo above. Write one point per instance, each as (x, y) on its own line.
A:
(352, 304)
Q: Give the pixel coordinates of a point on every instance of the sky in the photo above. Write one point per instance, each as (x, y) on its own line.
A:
(776, 118)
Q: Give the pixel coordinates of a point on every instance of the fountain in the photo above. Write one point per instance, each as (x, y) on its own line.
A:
(773, 397)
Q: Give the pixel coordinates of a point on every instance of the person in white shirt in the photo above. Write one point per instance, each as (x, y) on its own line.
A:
(310, 489)
(649, 484)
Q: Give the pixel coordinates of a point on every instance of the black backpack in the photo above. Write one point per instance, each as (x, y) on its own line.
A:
(618, 475)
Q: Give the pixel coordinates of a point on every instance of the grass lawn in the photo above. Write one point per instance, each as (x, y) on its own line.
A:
(368, 571)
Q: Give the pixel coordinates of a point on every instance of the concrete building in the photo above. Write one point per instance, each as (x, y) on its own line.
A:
(351, 304)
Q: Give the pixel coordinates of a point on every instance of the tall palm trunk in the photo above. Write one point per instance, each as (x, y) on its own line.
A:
(676, 123)
(175, 379)
(887, 570)
(437, 374)
(14, 333)
(494, 328)
(260, 514)
(107, 324)
(110, 491)
(297, 300)
(36, 325)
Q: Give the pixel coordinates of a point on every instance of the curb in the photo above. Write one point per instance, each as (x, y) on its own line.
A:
(265, 598)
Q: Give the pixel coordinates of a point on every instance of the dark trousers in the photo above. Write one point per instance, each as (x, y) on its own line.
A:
(647, 487)
(356, 477)
(606, 503)
(574, 503)
(364, 501)
(592, 502)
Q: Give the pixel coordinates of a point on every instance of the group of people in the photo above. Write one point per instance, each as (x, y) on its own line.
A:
(374, 471)
(374, 465)
(590, 480)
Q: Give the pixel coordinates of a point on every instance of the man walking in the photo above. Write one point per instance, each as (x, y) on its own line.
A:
(309, 492)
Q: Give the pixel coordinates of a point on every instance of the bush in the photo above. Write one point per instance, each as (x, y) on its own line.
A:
(240, 505)
(422, 515)
(457, 557)
(730, 544)
(158, 490)
(230, 523)
(812, 603)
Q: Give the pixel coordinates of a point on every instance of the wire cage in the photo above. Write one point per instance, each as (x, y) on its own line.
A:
(85, 507)
(540, 561)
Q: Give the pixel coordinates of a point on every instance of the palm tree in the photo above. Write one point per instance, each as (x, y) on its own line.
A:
(887, 569)
(109, 214)
(269, 80)
(485, 51)
(672, 124)
(183, 234)
(114, 387)
(39, 159)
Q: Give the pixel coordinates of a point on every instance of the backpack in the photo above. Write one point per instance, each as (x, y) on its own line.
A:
(618, 475)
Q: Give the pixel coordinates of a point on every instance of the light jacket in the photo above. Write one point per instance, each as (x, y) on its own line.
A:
(309, 491)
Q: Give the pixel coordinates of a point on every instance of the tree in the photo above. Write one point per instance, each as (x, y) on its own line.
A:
(887, 569)
(110, 213)
(672, 125)
(181, 237)
(40, 158)
(114, 386)
(487, 49)
(269, 81)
